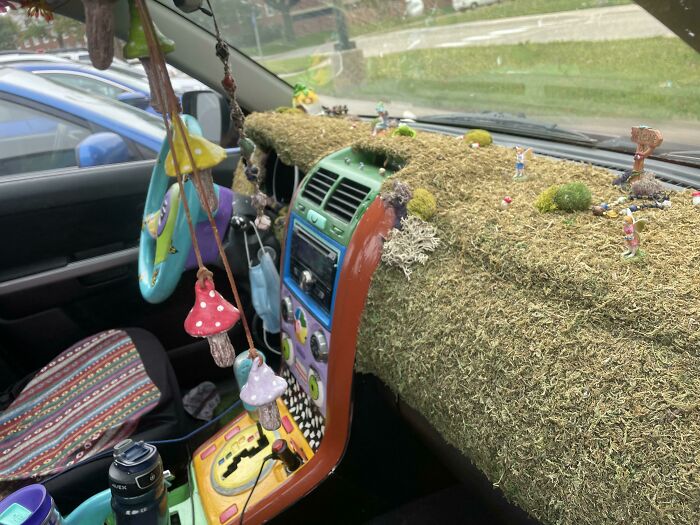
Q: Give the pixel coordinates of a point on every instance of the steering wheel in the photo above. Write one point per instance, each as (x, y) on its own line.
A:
(165, 242)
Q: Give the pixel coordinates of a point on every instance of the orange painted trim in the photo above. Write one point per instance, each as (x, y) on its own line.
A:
(361, 260)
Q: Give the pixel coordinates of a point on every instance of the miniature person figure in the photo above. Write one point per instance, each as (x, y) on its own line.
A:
(631, 230)
(383, 124)
(646, 139)
(521, 156)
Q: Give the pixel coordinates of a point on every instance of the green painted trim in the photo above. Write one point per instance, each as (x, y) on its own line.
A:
(336, 162)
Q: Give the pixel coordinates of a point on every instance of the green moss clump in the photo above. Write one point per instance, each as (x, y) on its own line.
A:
(404, 131)
(545, 200)
(422, 204)
(574, 196)
(480, 136)
(287, 109)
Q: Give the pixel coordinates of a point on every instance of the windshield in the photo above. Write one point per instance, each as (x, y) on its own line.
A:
(598, 66)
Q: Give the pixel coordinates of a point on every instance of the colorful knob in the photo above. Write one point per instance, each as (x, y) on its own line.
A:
(319, 346)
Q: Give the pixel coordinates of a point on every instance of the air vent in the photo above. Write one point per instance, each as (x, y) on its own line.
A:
(346, 198)
(318, 185)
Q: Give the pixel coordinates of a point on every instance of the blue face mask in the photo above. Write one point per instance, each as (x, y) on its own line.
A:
(265, 287)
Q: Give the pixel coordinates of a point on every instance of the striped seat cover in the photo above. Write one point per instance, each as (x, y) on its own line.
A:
(84, 401)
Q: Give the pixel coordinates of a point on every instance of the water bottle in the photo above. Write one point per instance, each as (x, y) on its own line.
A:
(31, 505)
(136, 482)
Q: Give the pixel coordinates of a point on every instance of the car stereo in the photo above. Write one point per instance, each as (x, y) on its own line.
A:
(313, 264)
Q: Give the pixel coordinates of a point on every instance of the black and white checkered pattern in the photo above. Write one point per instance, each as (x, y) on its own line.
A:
(302, 408)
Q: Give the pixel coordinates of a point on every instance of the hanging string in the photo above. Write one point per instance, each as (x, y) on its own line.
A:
(164, 84)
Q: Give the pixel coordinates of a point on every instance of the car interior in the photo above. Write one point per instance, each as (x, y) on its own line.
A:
(441, 330)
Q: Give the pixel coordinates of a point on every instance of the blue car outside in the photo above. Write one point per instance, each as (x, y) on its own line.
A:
(132, 89)
(40, 118)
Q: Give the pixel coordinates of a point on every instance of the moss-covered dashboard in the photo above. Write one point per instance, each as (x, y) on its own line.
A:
(568, 375)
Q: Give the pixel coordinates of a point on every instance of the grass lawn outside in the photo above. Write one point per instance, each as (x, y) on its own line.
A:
(504, 9)
(644, 78)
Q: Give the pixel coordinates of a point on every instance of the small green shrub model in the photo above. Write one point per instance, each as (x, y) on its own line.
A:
(423, 204)
(287, 109)
(404, 131)
(480, 136)
(545, 200)
(574, 196)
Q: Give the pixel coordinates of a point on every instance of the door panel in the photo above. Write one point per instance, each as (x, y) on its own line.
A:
(68, 262)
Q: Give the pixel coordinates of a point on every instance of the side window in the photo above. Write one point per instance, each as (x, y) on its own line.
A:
(31, 140)
(86, 83)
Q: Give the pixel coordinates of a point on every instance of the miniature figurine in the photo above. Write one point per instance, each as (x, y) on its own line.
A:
(631, 230)
(696, 198)
(506, 202)
(646, 139)
(306, 99)
(383, 124)
(521, 156)
(335, 111)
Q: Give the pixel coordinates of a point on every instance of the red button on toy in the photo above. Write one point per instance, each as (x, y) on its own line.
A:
(208, 452)
(228, 513)
(232, 432)
(287, 425)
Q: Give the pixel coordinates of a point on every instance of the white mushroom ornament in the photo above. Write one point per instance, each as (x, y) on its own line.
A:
(262, 390)
(212, 317)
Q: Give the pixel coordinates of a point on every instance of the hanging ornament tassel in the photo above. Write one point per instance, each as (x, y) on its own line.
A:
(137, 47)
(156, 103)
(207, 184)
(99, 29)
(212, 317)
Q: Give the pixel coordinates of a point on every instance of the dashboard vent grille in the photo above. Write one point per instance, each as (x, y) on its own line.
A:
(346, 198)
(318, 185)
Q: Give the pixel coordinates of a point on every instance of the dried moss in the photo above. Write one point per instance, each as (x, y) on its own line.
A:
(568, 376)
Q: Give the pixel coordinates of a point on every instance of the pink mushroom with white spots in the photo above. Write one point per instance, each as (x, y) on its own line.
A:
(212, 317)
(262, 390)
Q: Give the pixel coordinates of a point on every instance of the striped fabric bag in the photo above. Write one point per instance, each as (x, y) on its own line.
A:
(84, 401)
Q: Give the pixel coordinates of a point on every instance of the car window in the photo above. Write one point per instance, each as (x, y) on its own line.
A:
(86, 83)
(31, 140)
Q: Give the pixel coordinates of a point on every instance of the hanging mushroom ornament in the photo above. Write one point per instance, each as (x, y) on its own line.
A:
(99, 29)
(137, 47)
(262, 390)
(206, 155)
(212, 317)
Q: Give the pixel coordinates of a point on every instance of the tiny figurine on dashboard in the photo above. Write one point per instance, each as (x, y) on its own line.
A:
(306, 99)
(505, 202)
(261, 390)
(522, 156)
(335, 111)
(631, 231)
(647, 139)
(696, 198)
(382, 124)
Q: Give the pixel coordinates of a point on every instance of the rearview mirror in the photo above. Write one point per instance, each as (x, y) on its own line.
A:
(100, 149)
(211, 111)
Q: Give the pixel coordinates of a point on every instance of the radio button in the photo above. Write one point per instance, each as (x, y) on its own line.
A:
(287, 310)
(316, 219)
(319, 346)
(306, 280)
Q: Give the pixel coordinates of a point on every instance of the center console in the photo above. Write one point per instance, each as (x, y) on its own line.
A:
(332, 246)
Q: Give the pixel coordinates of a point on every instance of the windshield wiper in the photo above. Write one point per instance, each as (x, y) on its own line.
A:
(513, 124)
